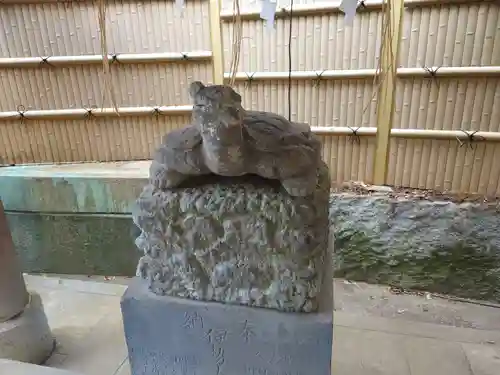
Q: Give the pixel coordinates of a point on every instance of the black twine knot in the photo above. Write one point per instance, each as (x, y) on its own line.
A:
(432, 71)
(432, 74)
(90, 111)
(319, 77)
(286, 12)
(114, 58)
(250, 79)
(156, 111)
(361, 4)
(185, 56)
(21, 110)
(44, 60)
(472, 137)
(354, 136)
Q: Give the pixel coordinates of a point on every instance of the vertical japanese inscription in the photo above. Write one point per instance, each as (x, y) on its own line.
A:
(215, 335)
(216, 338)
(247, 331)
(279, 359)
(191, 319)
(218, 353)
(274, 356)
(183, 364)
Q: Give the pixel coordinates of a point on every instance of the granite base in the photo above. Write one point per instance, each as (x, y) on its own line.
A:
(175, 336)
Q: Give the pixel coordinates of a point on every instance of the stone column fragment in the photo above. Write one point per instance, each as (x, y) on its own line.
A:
(13, 294)
(24, 330)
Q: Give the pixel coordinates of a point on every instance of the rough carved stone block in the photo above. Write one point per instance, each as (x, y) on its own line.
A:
(235, 240)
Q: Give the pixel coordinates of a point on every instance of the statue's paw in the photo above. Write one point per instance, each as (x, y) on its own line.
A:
(174, 178)
(163, 178)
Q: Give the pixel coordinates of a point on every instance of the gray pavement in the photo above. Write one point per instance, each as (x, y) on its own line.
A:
(375, 332)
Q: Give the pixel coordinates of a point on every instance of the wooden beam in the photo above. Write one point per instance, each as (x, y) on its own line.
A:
(386, 95)
(216, 41)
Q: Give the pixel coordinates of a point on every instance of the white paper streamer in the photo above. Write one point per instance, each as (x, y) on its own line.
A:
(267, 13)
(349, 8)
(180, 5)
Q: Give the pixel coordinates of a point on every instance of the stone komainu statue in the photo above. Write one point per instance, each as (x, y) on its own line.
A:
(228, 140)
(216, 223)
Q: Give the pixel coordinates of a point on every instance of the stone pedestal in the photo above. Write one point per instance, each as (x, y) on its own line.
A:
(24, 331)
(171, 336)
(27, 337)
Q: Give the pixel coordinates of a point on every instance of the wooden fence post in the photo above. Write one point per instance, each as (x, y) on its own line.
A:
(387, 92)
(216, 41)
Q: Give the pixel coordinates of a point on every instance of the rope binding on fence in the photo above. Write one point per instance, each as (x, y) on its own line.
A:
(472, 137)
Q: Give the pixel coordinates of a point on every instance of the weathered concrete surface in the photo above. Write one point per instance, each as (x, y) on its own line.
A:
(80, 244)
(9, 367)
(358, 298)
(483, 361)
(86, 321)
(27, 337)
(168, 335)
(434, 246)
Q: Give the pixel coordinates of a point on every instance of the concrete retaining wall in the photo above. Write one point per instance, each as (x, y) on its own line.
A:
(92, 244)
(74, 218)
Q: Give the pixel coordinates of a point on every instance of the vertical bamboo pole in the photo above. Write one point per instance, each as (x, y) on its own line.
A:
(216, 41)
(387, 91)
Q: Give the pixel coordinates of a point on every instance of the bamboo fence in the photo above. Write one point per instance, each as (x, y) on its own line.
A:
(433, 121)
